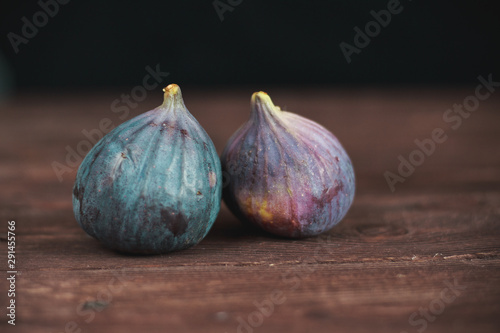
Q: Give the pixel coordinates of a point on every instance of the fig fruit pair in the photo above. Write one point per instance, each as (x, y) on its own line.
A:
(154, 184)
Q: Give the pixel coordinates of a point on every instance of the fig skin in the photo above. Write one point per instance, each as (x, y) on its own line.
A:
(285, 173)
(153, 184)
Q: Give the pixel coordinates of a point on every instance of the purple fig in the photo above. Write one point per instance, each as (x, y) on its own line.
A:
(285, 173)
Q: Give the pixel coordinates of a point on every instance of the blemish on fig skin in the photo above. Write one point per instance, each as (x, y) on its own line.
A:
(340, 186)
(165, 125)
(198, 193)
(176, 223)
(328, 194)
(107, 181)
(184, 132)
(212, 178)
(272, 218)
(92, 216)
(123, 155)
(78, 193)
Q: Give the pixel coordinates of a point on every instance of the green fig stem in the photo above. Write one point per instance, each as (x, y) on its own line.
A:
(260, 96)
(172, 96)
(263, 106)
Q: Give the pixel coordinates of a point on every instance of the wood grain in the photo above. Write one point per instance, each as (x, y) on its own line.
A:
(395, 253)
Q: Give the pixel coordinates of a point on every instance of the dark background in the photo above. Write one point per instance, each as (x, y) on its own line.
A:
(94, 44)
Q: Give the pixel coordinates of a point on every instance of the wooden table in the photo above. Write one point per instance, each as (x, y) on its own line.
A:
(425, 257)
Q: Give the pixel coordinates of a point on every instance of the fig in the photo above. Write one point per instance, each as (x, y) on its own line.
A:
(285, 173)
(153, 184)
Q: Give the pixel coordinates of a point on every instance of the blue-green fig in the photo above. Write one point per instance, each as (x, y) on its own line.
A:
(286, 174)
(153, 184)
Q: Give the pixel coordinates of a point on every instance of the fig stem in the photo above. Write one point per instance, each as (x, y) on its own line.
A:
(171, 89)
(262, 101)
(261, 97)
(172, 95)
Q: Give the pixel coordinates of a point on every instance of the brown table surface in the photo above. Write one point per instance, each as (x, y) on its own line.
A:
(387, 267)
